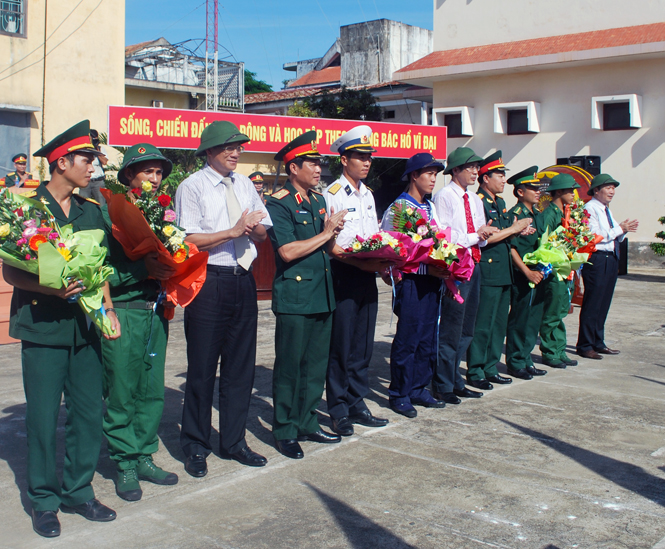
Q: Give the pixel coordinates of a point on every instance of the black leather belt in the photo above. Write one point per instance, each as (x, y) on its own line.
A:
(237, 270)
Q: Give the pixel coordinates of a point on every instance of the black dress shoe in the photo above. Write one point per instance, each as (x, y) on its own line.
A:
(554, 363)
(430, 402)
(569, 361)
(501, 380)
(467, 393)
(91, 510)
(607, 351)
(448, 398)
(342, 426)
(367, 419)
(289, 448)
(196, 465)
(405, 409)
(535, 371)
(482, 384)
(246, 457)
(320, 436)
(522, 373)
(590, 354)
(46, 523)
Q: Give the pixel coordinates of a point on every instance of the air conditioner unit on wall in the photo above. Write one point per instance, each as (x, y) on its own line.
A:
(158, 104)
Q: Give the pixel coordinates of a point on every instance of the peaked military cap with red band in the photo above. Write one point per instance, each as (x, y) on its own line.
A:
(256, 177)
(20, 158)
(75, 140)
(303, 146)
(491, 163)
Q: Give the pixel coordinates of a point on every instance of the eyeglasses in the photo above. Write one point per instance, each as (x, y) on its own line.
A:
(472, 167)
(232, 148)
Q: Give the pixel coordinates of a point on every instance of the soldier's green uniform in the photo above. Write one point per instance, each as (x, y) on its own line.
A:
(303, 302)
(557, 293)
(60, 352)
(526, 303)
(496, 278)
(13, 178)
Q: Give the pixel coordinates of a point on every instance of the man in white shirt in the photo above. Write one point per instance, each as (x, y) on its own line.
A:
(223, 215)
(600, 274)
(356, 294)
(463, 213)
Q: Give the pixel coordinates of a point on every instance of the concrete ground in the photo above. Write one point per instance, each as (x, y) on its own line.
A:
(573, 459)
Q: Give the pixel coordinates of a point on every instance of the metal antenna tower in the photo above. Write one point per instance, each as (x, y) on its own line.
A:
(212, 56)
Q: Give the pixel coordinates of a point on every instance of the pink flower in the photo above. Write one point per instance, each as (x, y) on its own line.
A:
(61, 245)
(30, 223)
(53, 236)
(21, 241)
(44, 230)
(169, 215)
(30, 231)
(422, 230)
(27, 256)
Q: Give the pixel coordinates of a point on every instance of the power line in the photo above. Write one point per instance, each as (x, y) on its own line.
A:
(178, 21)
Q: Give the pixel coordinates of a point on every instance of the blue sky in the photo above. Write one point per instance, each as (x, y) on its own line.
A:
(262, 33)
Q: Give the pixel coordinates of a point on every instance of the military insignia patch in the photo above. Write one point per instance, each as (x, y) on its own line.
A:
(504, 210)
(481, 195)
(322, 211)
(298, 198)
(281, 194)
(336, 187)
(348, 190)
(141, 150)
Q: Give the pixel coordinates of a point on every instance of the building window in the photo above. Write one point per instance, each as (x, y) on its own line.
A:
(12, 17)
(457, 120)
(388, 114)
(616, 112)
(517, 118)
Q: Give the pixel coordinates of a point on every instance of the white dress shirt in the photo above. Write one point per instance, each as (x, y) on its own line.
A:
(449, 203)
(201, 208)
(361, 219)
(599, 224)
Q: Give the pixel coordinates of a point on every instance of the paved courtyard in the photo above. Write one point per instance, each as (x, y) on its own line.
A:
(573, 459)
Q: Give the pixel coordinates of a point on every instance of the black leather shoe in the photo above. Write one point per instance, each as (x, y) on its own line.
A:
(607, 351)
(522, 373)
(246, 457)
(196, 465)
(91, 510)
(448, 398)
(342, 426)
(289, 448)
(367, 419)
(568, 361)
(590, 354)
(535, 371)
(46, 523)
(501, 380)
(467, 393)
(480, 384)
(554, 363)
(320, 436)
(430, 402)
(404, 409)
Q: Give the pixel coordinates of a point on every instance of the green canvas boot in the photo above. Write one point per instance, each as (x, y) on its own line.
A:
(127, 485)
(147, 470)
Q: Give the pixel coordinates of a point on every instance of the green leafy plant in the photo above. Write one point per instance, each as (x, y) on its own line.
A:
(659, 247)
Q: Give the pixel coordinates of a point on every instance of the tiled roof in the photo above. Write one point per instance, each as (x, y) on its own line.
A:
(623, 36)
(330, 75)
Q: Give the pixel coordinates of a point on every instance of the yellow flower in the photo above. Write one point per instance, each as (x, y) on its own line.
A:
(168, 230)
(147, 186)
(64, 252)
(416, 238)
(4, 229)
(176, 241)
(409, 211)
(357, 245)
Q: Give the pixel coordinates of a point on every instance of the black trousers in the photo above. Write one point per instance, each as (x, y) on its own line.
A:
(600, 278)
(456, 329)
(220, 328)
(352, 340)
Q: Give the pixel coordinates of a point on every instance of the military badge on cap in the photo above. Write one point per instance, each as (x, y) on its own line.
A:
(20, 158)
(141, 150)
(357, 139)
(302, 146)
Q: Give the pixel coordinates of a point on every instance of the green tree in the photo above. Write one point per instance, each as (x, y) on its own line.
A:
(253, 85)
(299, 108)
(659, 247)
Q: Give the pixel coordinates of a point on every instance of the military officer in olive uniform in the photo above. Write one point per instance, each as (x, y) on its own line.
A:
(526, 302)
(257, 179)
(302, 296)
(496, 277)
(134, 364)
(60, 352)
(557, 292)
(20, 177)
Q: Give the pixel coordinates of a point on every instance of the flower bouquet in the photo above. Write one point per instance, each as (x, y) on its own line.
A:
(32, 241)
(576, 224)
(145, 222)
(558, 250)
(382, 245)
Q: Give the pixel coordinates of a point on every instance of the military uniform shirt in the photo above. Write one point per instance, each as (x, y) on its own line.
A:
(12, 179)
(495, 261)
(549, 219)
(529, 243)
(303, 286)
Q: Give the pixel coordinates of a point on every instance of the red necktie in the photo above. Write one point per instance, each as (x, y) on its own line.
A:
(475, 250)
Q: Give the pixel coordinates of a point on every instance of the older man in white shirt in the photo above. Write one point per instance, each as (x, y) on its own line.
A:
(223, 215)
(463, 213)
(600, 274)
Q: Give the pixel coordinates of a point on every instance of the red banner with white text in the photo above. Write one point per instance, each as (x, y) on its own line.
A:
(181, 129)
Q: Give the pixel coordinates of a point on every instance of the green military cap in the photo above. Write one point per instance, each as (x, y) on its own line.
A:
(526, 177)
(256, 177)
(303, 146)
(600, 180)
(220, 132)
(459, 157)
(74, 140)
(562, 181)
(140, 153)
(492, 162)
(20, 158)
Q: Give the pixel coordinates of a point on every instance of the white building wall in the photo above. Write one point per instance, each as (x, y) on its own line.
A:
(465, 23)
(634, 157)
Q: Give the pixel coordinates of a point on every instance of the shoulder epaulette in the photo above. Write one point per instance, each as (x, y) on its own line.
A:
(280, 194)
(518, 210)
(317, 192)
(29, 194)
(481, 195)
(93, 201)
(334, 188)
